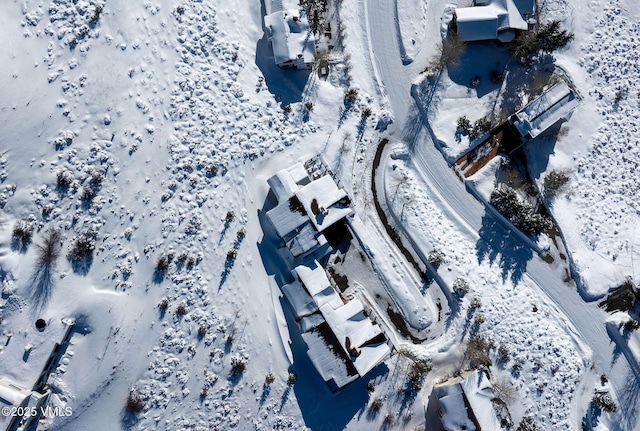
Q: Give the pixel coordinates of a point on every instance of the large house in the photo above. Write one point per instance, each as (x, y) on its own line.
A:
(545, 111)
(493, 19)
(466, 402)
(288, 31)
(342, 342)
(306, 209)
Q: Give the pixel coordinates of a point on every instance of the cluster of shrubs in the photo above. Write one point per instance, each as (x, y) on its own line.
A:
(83, 246)
(417, 371)
(480, 126)
(522, 216)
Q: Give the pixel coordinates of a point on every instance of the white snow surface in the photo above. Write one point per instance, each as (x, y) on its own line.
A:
(171, 113)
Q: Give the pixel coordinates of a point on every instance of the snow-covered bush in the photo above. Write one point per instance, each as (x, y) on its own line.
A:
(238, 365)
(417, 371)
(135, 403)
(554, 181)
(22, 233)
(520, 214)
(83, 245)
(461, 286)
(435, 258)
(527, 424)
(604, 402)
(631, 325)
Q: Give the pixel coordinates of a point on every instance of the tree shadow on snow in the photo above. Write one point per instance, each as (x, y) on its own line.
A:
(42, 284)
(82, 265)
(480, 60)
(285, 85)
(496, 243)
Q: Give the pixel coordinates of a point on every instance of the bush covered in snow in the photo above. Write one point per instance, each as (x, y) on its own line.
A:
(604, 402)
(22, 233)
(527, 424)
(461, 286)
(519, 213)
(134, 404)
(554, 181)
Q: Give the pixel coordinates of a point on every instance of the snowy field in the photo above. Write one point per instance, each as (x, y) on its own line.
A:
(147, 131)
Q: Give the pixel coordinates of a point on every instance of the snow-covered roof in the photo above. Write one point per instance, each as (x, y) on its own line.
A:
(477, 23)
(314, 279)
(300, 300)
(492, 19)
(287, 181)
(326, 194)
(466, 403)
(350, 321)
(290, 37)
(306, 240)
(12, 394)
(341, 320)
(545, 111)
(285, 220)
(479, 393)
(330, 367)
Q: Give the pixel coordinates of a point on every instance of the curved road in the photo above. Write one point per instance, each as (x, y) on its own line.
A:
(458, 204)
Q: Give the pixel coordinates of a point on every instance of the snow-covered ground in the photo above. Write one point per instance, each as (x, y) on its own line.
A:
(167, 117)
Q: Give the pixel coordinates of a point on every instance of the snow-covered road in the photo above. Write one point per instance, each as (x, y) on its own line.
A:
(460, 206)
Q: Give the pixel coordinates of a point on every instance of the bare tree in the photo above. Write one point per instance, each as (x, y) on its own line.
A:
(47, 254)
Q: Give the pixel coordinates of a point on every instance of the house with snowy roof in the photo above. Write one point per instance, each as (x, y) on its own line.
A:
(546, 110)
(493, 19)
(15, 396)
(342, 341)
(306, 209)
(465, 402)
(288, 31)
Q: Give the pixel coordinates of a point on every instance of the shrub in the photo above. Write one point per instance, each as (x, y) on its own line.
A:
(202, 331)
(503, 354)
(366, 113)
(308, 106)
(377, 404)
(631, 325)
(604, 402)
(371, 387)
(554, 181)
(464, 125)
(435, 258)
(480, 126)
(527, 424)
(181, 310)
(230, 215)
(461, 286)
(475, 81)
(475, 303)
(64, 179)
(477, 352)
(164, 304)
(288, 109)
(548, 39)
(350, 96)
(269, 378)
(293, 377)
(22, 232)
(83, 245)
(88, 194)
(162, 264)
(417, 371)
(96, 179)
(521, 215)
(135, 403)
(238, 365)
